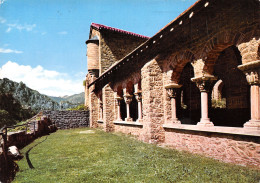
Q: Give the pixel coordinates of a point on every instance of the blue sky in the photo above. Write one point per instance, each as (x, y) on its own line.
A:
(42, 42)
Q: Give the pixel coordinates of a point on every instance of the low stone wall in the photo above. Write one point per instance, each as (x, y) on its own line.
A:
(8, 167)
(231, 148)
(68, 119)
(136, 131)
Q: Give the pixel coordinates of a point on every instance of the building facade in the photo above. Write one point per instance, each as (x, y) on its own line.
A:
(193, 86)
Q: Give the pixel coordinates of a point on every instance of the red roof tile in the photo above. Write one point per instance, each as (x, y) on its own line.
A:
(99, 26)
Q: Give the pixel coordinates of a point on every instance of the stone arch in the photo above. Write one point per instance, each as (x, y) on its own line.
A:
(234, 110)
(176, 64)
(217, 90)
(213, 47)
(119, 90)
(188, 98)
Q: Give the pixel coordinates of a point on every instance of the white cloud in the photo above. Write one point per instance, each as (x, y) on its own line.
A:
(63, 32)
(20, 27)
(45, 81)
(8, 29)
(2, 1)
(2, 20)
(2, 50)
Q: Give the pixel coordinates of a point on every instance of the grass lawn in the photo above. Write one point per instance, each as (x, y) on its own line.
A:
(96, 156)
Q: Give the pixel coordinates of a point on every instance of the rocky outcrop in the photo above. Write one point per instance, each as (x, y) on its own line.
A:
(30, 98)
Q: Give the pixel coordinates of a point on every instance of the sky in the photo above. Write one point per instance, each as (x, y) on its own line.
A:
(42, 42)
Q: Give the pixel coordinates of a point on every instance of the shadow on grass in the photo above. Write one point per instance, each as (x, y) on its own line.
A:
(27, 154)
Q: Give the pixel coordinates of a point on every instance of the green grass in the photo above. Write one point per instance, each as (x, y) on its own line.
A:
(70, 156)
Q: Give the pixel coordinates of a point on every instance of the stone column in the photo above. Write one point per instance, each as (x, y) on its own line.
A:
(203, 84)
(118, 102)
(128, 100)
(252, 71)
(172, 93)
(100, 110)
(138, 96)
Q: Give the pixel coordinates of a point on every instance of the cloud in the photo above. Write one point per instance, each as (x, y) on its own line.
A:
(2, 20)
(45, 81)
(20, 27)
(2, 50)
(8, 29)
(63, 33)
(2, 1)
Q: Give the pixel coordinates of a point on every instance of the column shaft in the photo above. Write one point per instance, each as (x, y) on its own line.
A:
(204, 106)
(173, 106)
(140, 110)
(255, 102)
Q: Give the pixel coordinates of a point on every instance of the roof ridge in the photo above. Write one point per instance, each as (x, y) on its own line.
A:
(100, 26)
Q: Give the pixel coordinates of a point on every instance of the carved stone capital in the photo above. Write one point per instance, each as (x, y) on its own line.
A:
(138, 96)
(172, 89)
(203, 83)
(252, 72)
(118, 100)
(252, 77)
(128, 98)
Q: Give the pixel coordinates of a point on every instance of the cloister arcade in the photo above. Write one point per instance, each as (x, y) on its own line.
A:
(194, 85)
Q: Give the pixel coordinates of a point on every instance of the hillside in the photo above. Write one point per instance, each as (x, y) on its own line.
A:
(29, 98)
(74, 99)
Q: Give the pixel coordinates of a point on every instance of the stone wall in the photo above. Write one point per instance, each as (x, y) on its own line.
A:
(153, 108)
(108, 108)
(243, 150)
(114, 46)
(68, 119)
(136, 131)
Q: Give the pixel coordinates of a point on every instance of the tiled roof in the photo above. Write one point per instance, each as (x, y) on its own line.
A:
(99, 26)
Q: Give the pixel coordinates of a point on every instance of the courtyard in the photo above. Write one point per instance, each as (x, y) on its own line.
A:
(91, 155)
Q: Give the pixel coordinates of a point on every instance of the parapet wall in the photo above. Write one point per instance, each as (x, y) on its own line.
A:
(68, 119)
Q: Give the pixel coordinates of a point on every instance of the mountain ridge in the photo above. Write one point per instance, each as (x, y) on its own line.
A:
(30, 98)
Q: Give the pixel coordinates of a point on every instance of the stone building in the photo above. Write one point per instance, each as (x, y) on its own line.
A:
(193, 86)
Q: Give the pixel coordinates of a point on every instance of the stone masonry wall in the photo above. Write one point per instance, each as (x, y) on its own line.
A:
(227, 148)
(68, 119)
(108, 108)
(152, 92)
(114, 46)
(136, 131)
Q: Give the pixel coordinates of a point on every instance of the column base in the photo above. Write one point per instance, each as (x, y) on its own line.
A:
(252, 124)
(139, 120)
(205, 122)
(128, 119)
(119, 119)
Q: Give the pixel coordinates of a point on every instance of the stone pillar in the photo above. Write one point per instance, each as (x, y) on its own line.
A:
(252, 71)
(118, 102)
(108, 108)
(203, 84)
(100, 110)
(172, 93)
(138, 96)
(128, 100)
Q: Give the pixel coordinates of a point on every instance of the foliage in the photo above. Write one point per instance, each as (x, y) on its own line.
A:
(80, 107)
(84, 82)
(12, 111)
(219, 103)
(96, 156)
(6, 119)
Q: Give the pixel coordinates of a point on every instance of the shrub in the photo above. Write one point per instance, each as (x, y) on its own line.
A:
(80, 107)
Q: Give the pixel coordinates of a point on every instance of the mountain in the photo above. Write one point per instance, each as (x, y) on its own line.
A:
(74, 99)
(29, 98)
(11, 110)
